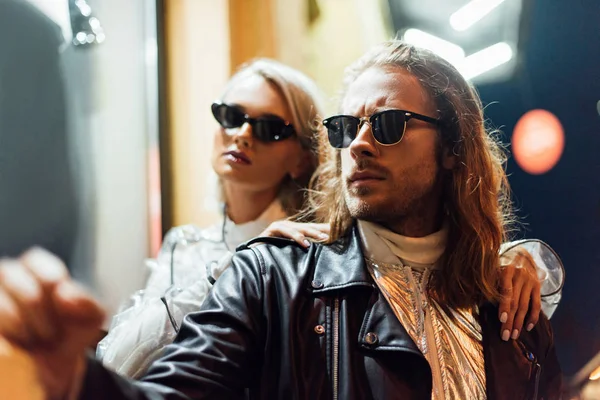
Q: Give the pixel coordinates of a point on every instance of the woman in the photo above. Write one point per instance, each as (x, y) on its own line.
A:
(264, 155)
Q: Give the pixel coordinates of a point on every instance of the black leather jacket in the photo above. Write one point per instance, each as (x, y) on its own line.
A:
(288, 323)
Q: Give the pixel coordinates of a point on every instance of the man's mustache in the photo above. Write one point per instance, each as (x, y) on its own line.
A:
(365, 164)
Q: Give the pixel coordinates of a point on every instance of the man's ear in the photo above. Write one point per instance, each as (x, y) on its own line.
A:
(449, 159)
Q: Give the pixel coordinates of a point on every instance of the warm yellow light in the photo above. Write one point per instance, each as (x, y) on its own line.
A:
(18, 374)
(595, 375)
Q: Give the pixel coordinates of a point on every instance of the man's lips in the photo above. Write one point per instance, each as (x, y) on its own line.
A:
(237, 157)
(365, 176)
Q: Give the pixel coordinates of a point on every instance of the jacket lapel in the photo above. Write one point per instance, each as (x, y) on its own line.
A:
(341, 267)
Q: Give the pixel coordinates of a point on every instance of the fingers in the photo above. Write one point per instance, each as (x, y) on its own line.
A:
(521, 258)
(324, 228)
(536, 306)
(77, 306)
(289, 233)
(525, 296)
(26, 302)
(39, 303)
(520, 298)
(44, 313)
(523, 307)
(313, 233)
(506, 290)
(11, 322)
(45, 266)
(298, 232)
(507, 327)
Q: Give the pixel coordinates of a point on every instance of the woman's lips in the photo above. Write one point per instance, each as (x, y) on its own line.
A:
(237, 157)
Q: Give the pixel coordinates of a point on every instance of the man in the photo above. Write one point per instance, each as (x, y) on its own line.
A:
(399, 305)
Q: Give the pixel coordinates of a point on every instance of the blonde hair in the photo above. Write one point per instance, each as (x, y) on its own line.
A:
(476, 191)
(305, 103)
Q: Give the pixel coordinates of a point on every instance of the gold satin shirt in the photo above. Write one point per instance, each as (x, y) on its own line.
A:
(449, 339)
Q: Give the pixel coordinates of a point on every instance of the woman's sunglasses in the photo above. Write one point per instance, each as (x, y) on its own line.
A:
(265, 129)
(387, 127)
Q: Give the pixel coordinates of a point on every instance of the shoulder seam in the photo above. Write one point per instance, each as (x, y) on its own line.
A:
(261, 260)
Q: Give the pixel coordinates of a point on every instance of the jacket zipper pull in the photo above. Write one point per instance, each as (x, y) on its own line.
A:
(536, 368)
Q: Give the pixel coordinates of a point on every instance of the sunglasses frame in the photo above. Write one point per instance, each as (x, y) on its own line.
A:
(408, 115)
(283, 135)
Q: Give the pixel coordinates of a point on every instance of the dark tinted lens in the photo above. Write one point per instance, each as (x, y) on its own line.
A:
(228, 116)
(388, 126)
(271, 129)
(341, 130)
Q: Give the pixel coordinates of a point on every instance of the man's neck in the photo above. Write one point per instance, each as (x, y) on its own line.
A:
(381, 244)
(418, 224)
(414, 227)
(244, 205)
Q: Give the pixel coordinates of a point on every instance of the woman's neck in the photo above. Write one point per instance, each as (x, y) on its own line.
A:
(244, 205)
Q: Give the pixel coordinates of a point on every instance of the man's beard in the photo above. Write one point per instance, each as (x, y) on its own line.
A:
(401, 202)
(377, 212)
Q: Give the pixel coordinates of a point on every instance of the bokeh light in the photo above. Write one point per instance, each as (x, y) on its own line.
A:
(538, 141)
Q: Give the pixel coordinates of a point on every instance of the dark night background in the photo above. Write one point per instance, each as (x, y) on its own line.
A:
(561, 74)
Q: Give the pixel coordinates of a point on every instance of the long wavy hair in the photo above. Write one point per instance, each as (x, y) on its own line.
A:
(476, 193)
(305, 102)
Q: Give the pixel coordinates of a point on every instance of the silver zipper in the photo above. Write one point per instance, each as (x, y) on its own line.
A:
(336, 343)
(538, 371)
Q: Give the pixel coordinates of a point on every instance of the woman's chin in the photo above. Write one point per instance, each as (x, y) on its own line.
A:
(234, 175)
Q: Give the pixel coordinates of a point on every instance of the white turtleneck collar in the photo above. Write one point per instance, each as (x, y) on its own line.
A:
(383, 245)
(240, 233)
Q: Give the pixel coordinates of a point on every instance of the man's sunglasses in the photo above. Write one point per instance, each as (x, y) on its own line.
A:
(387, 127)
(265, 129)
